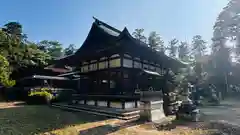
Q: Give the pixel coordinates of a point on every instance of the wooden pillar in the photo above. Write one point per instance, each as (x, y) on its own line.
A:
(98, 61)
(89, 88)
(89, 65)
(50, 83)
(108, 76)
(121, 74)
(98, 84)
(78, 85)
(133, 84)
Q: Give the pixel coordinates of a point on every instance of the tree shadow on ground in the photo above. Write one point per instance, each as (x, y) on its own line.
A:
(107, 129)
(175, 123)
(25, 119)
(214, 127)
(223, 127)
(100, 130)
(195, 127)
(32, 119)
(163, 128)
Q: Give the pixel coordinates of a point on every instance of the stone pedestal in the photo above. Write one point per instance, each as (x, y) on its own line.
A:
(152, 111)
(152, 107)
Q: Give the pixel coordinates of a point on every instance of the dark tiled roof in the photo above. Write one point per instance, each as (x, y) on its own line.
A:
(106, 26)
(103, 36)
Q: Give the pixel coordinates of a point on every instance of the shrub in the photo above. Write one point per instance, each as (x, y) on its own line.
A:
(39, 97)
(5, 73)
(45, 89)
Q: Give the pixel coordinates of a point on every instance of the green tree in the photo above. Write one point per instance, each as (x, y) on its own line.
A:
(226, 29)
(155, 42)
(183, 51)
(172, 47)
(53, 48)
(139, 34)
(11, 44)
(70, 50)
(34, 56)
(14, 29)
(9, 48)
(5, 73)
(222, 68)
(198, 51)
(21, 54)
(198, 46)
(4, 44)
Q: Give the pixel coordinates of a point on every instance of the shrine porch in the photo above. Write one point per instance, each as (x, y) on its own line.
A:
(124, 114)
(110, 101)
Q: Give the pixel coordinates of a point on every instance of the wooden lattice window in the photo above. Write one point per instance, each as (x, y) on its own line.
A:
(127, 63)
(115, 63)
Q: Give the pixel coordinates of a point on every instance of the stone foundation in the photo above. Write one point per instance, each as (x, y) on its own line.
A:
(90, 102)
(110, 104)
(116, 105)
(152, 111)
(81, 102)
(102, 103)
(130, 105)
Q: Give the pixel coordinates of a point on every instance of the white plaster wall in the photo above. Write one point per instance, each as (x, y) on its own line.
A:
(81, 102)
(153, 110)
(90, 102)
(74, 101)
(116, 105)
(157, 115)
(129, 105)
(138, 103)
(102, 103)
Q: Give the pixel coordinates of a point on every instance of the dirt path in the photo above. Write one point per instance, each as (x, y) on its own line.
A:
(4, 105)
(19, 119)
(228, 111)
(16, 117)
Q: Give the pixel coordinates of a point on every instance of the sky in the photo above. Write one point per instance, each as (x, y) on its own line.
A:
(69, 21)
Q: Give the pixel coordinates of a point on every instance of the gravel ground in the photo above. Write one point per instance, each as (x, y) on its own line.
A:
(228, 111)
(19, 119)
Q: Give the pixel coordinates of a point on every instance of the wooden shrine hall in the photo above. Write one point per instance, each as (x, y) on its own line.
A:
(113, 65)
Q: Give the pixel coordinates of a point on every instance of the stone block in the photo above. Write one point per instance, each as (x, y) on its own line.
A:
(138, 103)
(157, 115)
(81, 102)
(74, 101)
(116, 105)
(129, 105)
(152, 111)
(90, 102)
(102, 103)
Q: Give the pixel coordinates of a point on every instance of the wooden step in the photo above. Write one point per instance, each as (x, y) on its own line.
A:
(123, 116)
(122, 112)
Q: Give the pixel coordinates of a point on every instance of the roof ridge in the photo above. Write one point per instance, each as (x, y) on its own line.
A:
(106, 25)
(125, 31)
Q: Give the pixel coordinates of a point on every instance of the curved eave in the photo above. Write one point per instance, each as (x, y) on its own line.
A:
(102, 36)
(63, 61)
(167, 61)
(106, 25)
(87, 38)
(125, 35)
(99, 37)
(178, 63)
